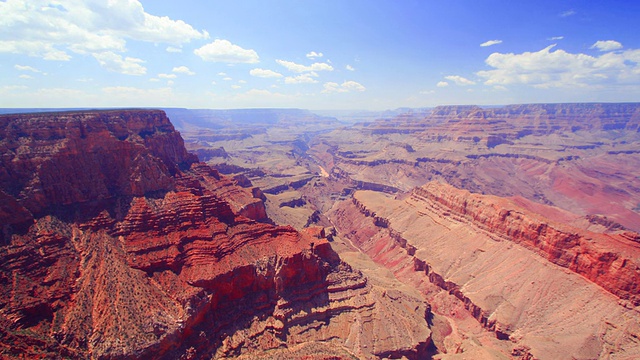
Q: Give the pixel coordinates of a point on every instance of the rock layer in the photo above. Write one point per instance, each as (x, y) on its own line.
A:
(481, 251)
(118, 244)
(582, 158)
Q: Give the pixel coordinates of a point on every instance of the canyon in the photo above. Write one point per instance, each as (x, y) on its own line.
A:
(118, 243)
(455, 232)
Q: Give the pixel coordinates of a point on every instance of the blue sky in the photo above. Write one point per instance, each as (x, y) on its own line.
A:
(330, 54)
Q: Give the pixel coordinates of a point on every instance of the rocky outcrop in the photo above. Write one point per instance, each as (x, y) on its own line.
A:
(467, 270)
(118, 244)
(608, 260)
(120, 153)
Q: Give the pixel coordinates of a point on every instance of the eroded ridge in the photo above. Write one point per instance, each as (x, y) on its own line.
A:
(609, 260)
(510, 288)
(118, 244)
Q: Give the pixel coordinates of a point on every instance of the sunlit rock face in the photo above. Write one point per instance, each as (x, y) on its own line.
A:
(520, 274)
(117, 243)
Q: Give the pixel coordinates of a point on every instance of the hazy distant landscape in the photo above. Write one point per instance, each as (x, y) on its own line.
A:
(319, 180)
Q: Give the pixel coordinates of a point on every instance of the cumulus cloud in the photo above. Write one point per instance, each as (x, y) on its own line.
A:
(561, 69)
(167, 76)
(298, 68)
(554, 38)
(226, 52)
(182, 70)
(51, 31)
(24, 76)
(173, 49)
(347, 86)
(442, 84)
(459, 80)
(264, 73)
(606, 45)
(236, 87)
(301, 79)
(350, 68)
(115, 62)
(313, 55)
(491, 42)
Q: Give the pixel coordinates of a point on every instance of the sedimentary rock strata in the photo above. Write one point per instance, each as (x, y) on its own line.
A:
(579, 157)
(116, 243)
(543, 286)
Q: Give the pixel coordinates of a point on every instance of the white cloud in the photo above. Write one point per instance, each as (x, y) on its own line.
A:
(23, 76)
(226, 52)
(554, 38)
(291, 66)
(442, 84)
(301, 79)
(182, 70)
(491, 42)
(222, 74)
(347, 86)
(313, 55)
(114, 62)
(264, 73)
(227, 79)
(41, 29)
(459, 80)
(350, 68)
(560, 69)
(606, 45)
(567, 13)
(242, 82)
(26, 68)
(173, 49)
(236, 87)
(167, 76)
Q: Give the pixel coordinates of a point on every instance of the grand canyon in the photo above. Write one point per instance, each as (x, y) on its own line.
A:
(453, 232)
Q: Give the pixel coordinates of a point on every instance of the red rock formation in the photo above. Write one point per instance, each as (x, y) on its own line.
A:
(117, 244)
(469, 263)
(611, 261)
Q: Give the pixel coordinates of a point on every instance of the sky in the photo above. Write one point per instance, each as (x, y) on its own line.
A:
(318, 55)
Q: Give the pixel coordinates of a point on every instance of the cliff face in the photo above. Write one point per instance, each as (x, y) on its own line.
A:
(51, 160)
(514, 121)
(521, 275)
(118, 244)
(610, 261)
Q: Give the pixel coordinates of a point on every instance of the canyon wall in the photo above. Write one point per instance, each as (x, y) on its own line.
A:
(582, 158)
(609, 260)
(117, 243)
(538, 284)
